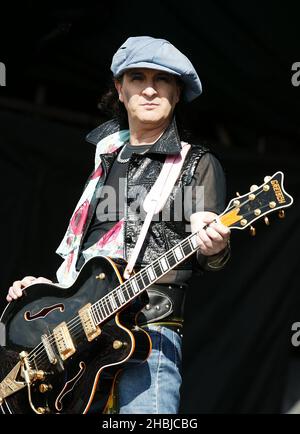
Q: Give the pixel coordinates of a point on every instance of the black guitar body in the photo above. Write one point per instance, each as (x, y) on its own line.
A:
(62, 342)
(70, 386)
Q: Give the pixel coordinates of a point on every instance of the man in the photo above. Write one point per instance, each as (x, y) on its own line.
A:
(150, 77)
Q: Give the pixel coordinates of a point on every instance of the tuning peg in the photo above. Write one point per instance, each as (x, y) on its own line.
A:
(267, 178)
(253, 187)
(238, 194)
(252, 231)
(267, 221)
(281, 214)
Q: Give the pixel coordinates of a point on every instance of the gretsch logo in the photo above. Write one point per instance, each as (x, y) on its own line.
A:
(277, 190)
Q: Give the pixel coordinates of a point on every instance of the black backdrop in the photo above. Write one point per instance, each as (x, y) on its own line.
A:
(238, 356)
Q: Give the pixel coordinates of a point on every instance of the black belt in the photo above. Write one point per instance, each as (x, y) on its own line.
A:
(165, 305)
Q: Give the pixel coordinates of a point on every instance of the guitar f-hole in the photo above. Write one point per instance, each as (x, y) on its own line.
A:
(43, 312)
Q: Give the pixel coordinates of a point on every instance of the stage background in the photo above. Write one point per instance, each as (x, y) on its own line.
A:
(238, 356)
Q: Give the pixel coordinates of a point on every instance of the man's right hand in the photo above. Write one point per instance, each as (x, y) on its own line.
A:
(16, 290)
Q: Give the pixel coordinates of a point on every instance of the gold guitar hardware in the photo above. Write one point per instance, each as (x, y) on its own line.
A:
(101, 276)
(43, 388)
(64, 341)
(37, 375)
(117, 345)
(42, 410)
(281, 214)
(252, 231)
(51, 377)
(91, 329)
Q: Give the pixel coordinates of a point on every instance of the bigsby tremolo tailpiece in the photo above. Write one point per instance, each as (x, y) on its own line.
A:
(20, 376)
(10, 384)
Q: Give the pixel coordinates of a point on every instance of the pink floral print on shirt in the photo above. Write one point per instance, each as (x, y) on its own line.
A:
(79, 218)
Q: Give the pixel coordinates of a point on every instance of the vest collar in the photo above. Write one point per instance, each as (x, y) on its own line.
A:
(169, 143)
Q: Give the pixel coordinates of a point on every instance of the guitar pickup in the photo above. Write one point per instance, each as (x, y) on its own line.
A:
(63, 341)
(91, 330)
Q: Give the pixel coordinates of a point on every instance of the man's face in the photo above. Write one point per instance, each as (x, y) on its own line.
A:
(149, 96)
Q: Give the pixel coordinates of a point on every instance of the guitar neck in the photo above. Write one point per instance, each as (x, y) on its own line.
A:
(133, 287)
(239, 214)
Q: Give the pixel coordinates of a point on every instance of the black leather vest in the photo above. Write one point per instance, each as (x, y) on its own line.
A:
(143, 170)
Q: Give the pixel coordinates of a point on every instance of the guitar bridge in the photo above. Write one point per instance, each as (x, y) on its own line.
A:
(91, 330)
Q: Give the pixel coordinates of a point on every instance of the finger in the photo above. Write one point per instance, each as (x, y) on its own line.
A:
(8, 298)
(214, 235)
(219, 227)
(28, 280)
(17, 288)
(12, 293)
(16, 292)
(45, 280)
(41, 280)
(205, 239)
(29, 277)
(201, 245)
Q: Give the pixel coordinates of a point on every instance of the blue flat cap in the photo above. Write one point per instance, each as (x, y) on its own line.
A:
(148, 52)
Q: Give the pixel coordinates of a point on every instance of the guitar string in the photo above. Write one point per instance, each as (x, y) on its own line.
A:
(39, 354)
(104, 302)
(39, 351)
(36, 356)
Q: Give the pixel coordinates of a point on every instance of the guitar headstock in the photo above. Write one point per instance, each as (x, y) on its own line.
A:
(261, 200)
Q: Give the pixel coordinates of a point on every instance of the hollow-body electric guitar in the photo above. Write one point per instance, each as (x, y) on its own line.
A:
(65, 346)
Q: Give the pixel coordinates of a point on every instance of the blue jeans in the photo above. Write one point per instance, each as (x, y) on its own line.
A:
(153, 387)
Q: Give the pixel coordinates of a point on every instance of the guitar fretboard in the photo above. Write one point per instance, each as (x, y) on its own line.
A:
(134, 286)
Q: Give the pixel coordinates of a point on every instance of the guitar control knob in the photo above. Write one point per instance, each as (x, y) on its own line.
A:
(117, 345)
(101, 276)
(41, 410)
(43, 388)
(37, 374)
(252, 231)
